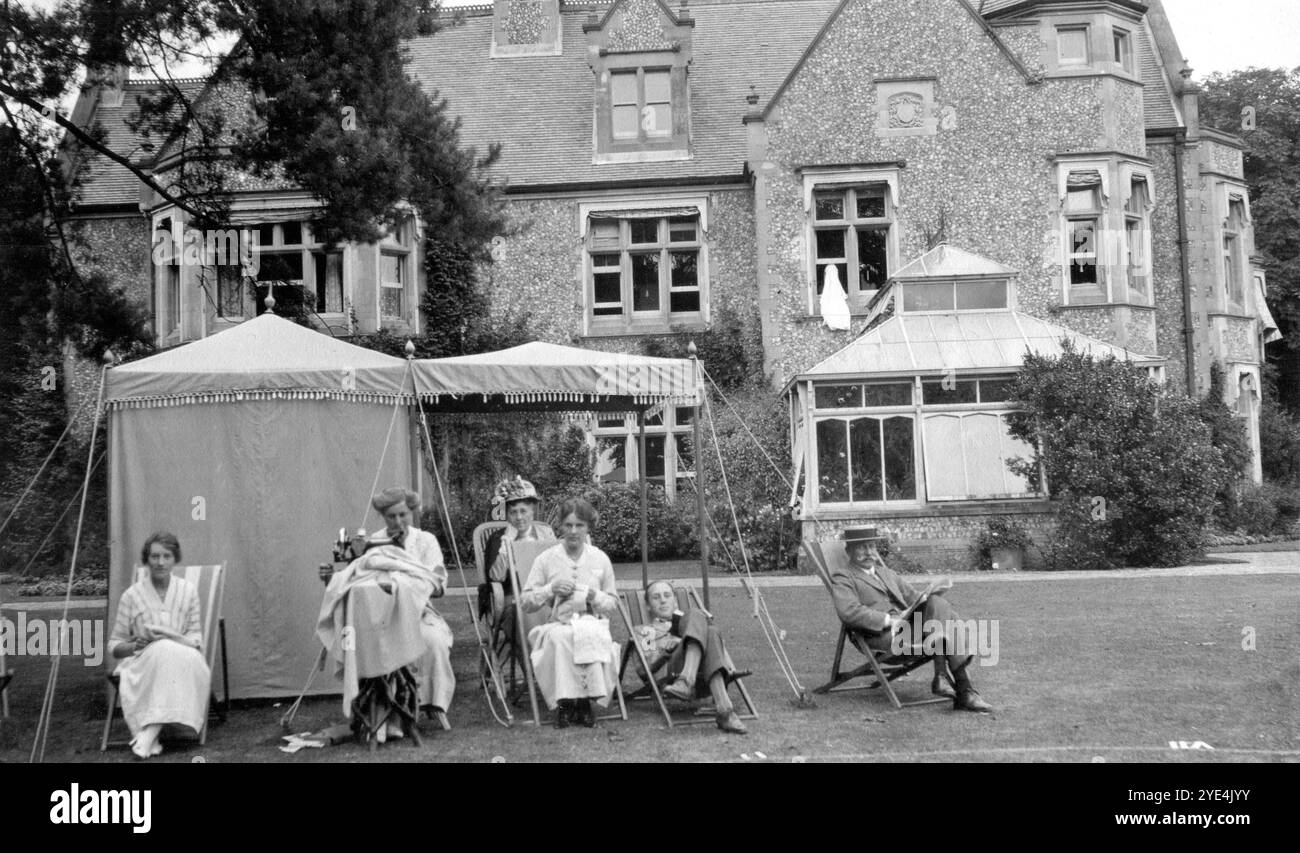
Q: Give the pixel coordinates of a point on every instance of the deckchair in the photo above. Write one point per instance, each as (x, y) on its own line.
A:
(638, 614)
(521, 555)
(828, 557)
(211, 582)
(5, 677)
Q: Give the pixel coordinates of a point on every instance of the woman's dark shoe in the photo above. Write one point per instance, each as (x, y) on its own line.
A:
(563, 713)
(940, 687)
(586, 713)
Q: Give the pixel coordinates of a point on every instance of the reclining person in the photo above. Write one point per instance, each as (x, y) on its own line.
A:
(869, 596)
(696, 658)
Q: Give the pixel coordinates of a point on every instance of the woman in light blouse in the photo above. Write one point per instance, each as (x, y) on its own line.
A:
(576, 579)
(158, 633)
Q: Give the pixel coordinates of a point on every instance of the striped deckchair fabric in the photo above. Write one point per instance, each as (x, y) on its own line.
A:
(210, 581)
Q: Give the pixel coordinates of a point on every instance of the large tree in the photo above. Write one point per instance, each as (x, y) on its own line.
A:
(1262, 105)
(314, 94)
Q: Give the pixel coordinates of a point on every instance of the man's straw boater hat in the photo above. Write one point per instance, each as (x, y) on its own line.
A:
(861, 534)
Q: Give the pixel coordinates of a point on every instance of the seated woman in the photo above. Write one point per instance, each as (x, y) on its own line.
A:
(521, 500)
(433, 673)
(696, 658)
(577, 580)
(158, 634)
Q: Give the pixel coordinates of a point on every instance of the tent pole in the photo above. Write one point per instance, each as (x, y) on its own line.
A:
(700, 532)
(640, 467)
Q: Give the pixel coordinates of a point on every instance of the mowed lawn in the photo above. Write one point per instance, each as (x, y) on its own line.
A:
(1107, 667)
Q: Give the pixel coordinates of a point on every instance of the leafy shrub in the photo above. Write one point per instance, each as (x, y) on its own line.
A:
(760, 492)
(1001, 533)
(1279, 441)
(1108, 433)
(732, 356)
(771, 540)
(1252, 509)
(670, 528)
(1226, 433)
(473, 453)
(1260, 510)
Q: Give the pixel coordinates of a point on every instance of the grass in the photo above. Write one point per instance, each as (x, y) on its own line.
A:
(1107, 667)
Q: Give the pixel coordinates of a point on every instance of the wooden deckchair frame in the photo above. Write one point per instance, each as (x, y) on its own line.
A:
(499, 647)
(884, 667)
(523, 625)
(214, 640)
(687, 599)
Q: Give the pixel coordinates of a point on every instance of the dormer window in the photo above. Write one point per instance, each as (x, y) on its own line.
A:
(641, 104)
(640, 53)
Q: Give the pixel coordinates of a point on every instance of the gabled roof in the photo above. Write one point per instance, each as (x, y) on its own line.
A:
(968, 341)
(825, 28)
(541, 107)
(944, 261)
(104, 182)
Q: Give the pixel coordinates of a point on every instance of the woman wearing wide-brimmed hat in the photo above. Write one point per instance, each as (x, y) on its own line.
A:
(520, 500)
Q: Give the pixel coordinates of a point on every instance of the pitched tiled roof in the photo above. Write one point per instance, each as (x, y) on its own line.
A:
(104, 182)
(540, 107)
(1157, 99)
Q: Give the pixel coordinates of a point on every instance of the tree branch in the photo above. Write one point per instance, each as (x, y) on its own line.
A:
(89, 141)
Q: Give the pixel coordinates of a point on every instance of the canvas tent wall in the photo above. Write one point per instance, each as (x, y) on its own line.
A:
(254, 446)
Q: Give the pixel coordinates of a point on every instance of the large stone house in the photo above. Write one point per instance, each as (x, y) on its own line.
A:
(974, 178)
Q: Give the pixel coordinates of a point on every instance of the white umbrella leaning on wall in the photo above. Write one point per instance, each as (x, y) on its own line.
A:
(834, 304)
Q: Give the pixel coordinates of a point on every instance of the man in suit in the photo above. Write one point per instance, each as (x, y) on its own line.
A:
(869, 596)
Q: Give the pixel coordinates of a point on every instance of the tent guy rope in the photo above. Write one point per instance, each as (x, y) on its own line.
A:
(47, 702)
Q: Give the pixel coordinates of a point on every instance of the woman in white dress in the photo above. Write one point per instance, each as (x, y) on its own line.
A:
(158, 636)
(576, 579)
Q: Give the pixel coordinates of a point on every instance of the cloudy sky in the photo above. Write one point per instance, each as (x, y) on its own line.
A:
(1227, 35)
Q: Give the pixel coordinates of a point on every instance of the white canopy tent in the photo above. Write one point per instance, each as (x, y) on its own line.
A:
(253, 446)
(256, 444)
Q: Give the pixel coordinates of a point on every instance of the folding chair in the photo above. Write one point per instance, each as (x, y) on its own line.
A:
(210, 582)
(828, 558)
(653, 684)
(522, 554)
(5, 677)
